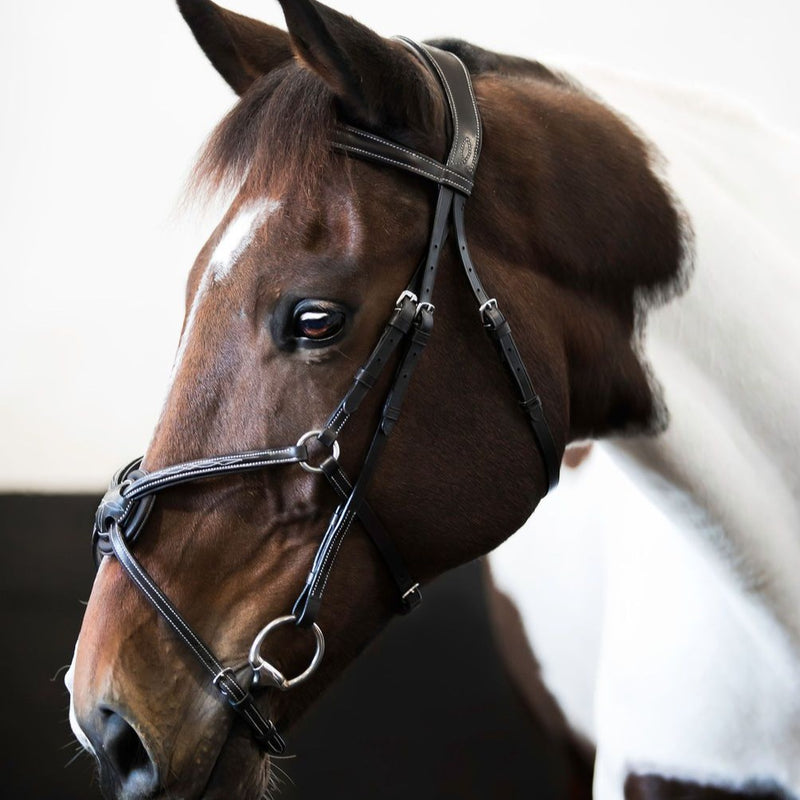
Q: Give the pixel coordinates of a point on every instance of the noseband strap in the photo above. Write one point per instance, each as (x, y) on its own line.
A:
(129, 500)
(224, 678)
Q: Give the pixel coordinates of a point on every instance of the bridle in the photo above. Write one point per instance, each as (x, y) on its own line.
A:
(127, 504)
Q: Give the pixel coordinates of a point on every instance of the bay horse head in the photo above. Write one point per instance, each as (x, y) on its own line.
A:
(350, 157)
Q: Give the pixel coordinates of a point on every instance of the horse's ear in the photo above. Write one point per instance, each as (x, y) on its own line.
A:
(376, 81)
(241, 49)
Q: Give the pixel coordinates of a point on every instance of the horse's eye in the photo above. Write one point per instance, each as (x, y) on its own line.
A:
(318, 322)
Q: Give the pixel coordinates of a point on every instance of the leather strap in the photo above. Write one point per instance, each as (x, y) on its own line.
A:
(309, 601)
(131, 495)
(371, 147)
(499, 331)
(459, 171)
(444, 203)
(237, 697)
(408, 588)
(191, 471)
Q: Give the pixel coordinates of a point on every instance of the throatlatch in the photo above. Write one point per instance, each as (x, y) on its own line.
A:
(129, 500)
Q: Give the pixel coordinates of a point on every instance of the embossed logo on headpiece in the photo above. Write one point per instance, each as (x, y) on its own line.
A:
(466, 151)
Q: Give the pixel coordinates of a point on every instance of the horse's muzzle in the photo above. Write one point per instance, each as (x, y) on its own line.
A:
(127, 771)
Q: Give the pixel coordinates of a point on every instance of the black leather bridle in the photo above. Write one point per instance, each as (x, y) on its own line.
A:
(125, 507)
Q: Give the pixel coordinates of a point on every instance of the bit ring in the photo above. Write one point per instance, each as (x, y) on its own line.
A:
(265, 674)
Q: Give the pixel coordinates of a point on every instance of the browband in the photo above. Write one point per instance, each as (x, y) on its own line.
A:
(459, 171)
(372, 147)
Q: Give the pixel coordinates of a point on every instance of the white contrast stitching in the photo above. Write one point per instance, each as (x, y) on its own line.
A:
(341, 538)
(150, 483)
(138, 575)
(450, 180)
(439, 166)
(395, 146)
(452, 101)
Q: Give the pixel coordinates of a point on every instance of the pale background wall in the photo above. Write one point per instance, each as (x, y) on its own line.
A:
(102, 106)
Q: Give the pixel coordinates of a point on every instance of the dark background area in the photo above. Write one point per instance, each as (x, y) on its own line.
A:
(427, 712)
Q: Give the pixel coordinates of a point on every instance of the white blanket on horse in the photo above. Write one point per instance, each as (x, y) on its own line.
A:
(671, 633)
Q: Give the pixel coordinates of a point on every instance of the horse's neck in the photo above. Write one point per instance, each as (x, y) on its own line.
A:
(726, 351)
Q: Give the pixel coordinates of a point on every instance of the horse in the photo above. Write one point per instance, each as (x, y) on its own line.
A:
(584, 236)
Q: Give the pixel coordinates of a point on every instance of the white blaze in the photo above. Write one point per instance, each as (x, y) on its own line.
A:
(69, 679)
(239, 235)
(236, 238)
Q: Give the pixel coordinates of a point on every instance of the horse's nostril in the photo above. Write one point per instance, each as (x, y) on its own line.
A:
(125, 755)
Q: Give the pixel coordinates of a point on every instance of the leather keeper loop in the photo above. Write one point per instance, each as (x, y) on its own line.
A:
(390, 417)
(533, 406)
(236, 704)
(403, 317)
(365, 378)
(327, 437)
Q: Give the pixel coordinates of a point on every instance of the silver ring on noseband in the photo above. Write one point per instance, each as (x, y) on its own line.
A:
(264, 674)
(335, 449)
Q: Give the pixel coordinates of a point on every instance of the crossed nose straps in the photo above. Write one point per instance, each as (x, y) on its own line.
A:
(131, 495)
(119, 520)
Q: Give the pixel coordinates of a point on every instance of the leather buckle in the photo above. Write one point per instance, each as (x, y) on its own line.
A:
(264, 730)
(484, 307)
(220, 681)
(406, 294)
(410, 599)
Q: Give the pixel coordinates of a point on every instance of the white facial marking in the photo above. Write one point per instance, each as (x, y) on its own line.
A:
(189, 325)
(236, 238)
(69, 679)
(239, 235)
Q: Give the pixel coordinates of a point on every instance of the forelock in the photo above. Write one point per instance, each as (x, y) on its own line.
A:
(275, 139)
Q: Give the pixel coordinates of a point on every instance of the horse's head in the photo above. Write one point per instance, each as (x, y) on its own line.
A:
(289, 297)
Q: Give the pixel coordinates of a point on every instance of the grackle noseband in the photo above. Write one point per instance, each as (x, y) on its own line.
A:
(125, 507)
